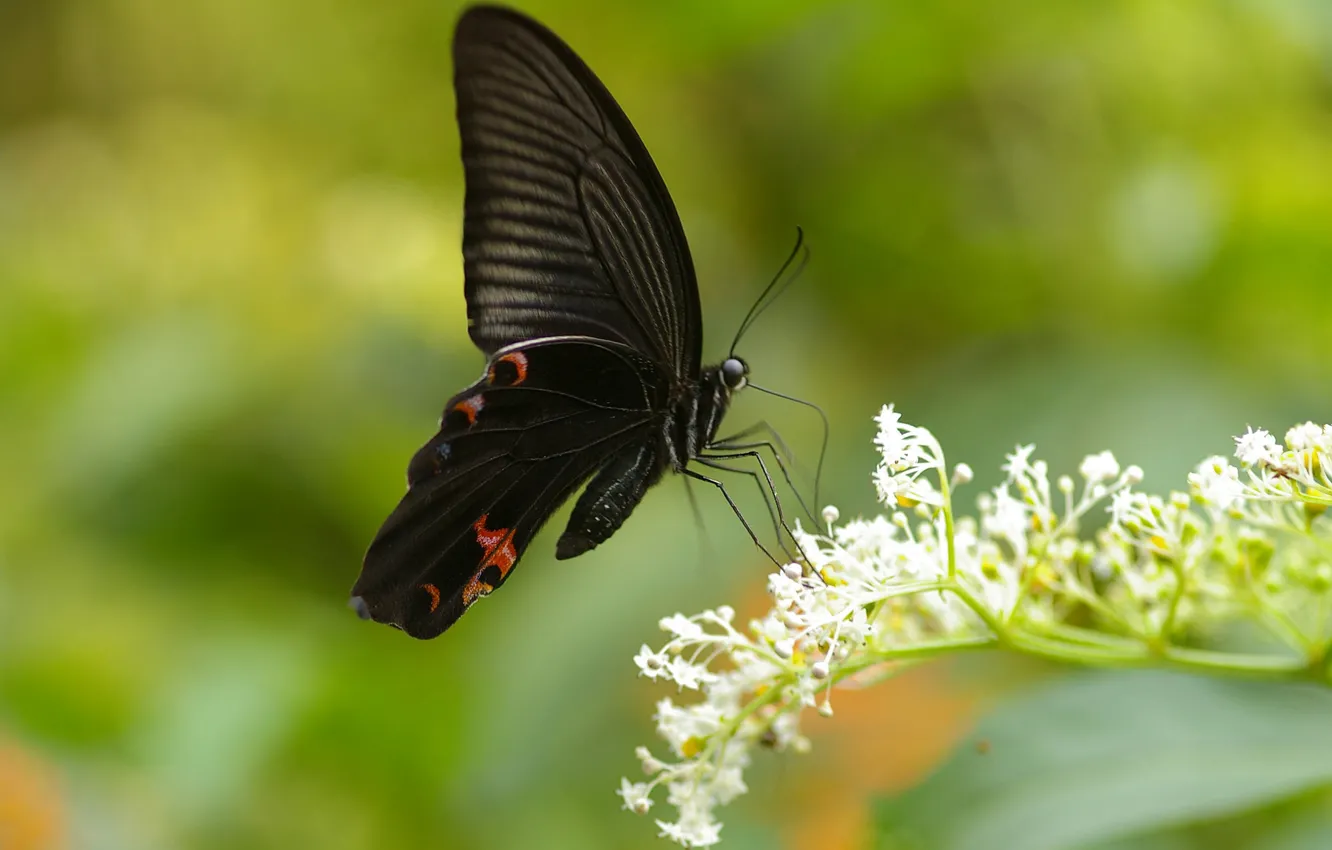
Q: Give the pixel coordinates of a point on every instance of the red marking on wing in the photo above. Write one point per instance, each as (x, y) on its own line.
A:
(498, 545)
(520, 365)
(500, 553)
(471, 407)
(434, 596)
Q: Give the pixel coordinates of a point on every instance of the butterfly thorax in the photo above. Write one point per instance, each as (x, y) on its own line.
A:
(697, 411)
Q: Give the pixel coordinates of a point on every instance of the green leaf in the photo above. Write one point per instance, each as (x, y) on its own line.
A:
(1093, 758)
(1309, 830)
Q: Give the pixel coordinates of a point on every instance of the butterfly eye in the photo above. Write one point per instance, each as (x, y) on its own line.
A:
(734, 371)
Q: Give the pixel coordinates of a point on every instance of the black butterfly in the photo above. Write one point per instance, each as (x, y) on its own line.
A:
(581, 291)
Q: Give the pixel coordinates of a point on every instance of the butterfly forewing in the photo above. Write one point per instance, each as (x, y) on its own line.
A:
(568, 226)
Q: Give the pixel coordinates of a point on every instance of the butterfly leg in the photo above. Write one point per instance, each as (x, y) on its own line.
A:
(734, 509)
(772, 489)
(760, 427)
(781, 454)
(781, 466)
(778, 521)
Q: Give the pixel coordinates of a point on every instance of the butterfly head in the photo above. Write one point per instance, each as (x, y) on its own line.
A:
(735, 373)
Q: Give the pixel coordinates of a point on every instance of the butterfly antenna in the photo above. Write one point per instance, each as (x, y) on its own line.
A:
(759, 306)
(795, 275)
(823, 450)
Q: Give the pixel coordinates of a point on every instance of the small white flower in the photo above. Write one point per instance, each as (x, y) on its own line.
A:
(673, 831)
(1019, 462)
(1007, 517)
(695, 833)
(651, 663)
(635, 796)
(1305, 437)
(1126, 507)
(687, 675)
(1216, 483)
(1256, 447)
(772, 627)
(728, 784)
(889, 485)
(682, 627)
(1099, 467)
(650, 764)
(890, 441)
(684, 726)
(783, 589)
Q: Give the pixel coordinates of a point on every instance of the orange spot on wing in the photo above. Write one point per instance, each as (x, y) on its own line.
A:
(519, 362)
(475, 588)
(499, 552)
(471, 407)
(434, 596)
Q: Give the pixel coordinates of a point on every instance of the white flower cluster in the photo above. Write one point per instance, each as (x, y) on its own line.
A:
(880, 594)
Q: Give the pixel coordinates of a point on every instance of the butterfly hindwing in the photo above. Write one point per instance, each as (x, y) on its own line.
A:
(568, 226)
(511, 448)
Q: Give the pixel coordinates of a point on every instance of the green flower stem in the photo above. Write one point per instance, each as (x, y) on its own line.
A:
(946, 495)
(1072, 644)
(1311, 498)
(916, 652)
(1077, 635)
(1238, 664)
(727, 732)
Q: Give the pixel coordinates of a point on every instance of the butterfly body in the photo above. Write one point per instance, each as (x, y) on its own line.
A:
(581, 292)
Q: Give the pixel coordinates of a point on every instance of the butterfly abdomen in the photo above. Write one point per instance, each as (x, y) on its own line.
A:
(609, 499)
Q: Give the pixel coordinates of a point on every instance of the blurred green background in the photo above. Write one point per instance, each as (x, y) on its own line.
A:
(231, 308)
